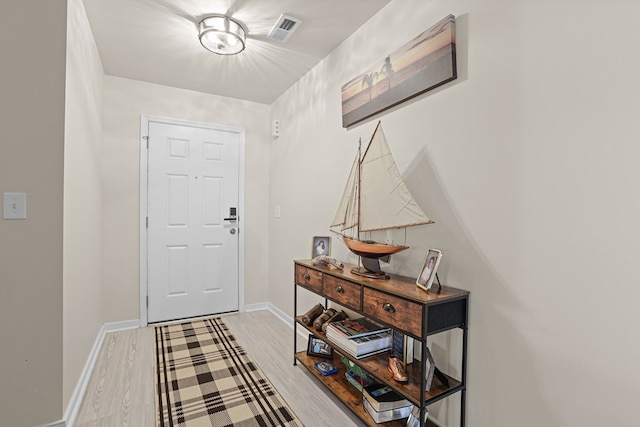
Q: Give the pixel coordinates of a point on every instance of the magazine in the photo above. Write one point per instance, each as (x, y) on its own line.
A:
(360, 327)
(362, 346)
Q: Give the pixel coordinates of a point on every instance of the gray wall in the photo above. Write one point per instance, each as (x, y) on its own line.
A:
(32, 45)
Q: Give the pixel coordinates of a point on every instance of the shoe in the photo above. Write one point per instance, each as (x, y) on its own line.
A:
(396, 368)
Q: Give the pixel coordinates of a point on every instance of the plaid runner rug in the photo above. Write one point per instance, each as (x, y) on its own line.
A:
(205, 378)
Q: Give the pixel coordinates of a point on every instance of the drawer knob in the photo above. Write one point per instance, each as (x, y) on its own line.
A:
(306, 276)
(388, 307)
(340, 289)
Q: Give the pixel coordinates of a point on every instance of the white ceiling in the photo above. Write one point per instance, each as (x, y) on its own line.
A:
(156, 41)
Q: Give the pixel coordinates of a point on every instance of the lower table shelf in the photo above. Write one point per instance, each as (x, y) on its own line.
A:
(338, 385)
(376, 366)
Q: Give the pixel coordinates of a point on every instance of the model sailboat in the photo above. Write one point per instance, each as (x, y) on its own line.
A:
(375, 198)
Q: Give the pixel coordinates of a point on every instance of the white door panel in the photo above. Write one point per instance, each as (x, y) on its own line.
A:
(192, 250)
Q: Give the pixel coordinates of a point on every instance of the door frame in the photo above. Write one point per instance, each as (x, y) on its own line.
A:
(144, 163)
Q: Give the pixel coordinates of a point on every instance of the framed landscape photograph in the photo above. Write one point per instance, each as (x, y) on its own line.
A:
(424, 63)
(321, 245)
(319, 348)
(429, 269)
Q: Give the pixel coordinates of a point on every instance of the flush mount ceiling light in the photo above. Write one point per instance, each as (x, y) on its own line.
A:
(221, 34)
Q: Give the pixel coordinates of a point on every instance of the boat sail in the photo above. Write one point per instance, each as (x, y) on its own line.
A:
(375, 198)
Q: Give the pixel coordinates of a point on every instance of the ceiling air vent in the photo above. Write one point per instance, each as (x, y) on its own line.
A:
(283, 29)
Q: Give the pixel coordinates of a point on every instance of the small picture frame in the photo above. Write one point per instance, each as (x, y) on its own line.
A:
(429, 269)
(414, 417)
(317, 347)
(320, 245)
(429, 369)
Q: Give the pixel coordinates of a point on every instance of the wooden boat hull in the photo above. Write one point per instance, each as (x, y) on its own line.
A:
(369, 249)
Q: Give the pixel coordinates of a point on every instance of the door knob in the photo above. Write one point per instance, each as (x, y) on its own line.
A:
(232, 231)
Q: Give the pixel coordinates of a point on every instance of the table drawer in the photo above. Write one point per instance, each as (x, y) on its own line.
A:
(309, 278)
(343, 292)
(397, 312)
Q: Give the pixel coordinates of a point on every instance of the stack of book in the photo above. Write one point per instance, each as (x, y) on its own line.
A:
(357, 380)
(359, 337)
(356, 376)
(402, 346)
(384, 404)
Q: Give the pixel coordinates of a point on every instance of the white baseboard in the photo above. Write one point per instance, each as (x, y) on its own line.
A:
(60, 423)
(280, 314)
(256, 307)
(78, 393)
(76, 398)
(121, 326)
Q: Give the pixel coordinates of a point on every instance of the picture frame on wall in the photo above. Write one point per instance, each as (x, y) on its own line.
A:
(423, 64)
(320, 245)
(429, 269)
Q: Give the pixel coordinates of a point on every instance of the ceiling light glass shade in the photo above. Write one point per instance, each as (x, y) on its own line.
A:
(222, 35)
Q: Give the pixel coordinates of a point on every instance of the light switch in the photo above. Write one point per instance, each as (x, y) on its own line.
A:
(276, 211)
(14, 206)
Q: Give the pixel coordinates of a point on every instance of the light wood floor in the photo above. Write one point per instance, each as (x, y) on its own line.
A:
(121, 388)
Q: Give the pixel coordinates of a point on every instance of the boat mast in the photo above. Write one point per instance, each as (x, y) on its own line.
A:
(358, 195)
(359, 185)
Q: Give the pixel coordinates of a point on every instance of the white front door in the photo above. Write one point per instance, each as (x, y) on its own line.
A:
(192, 236)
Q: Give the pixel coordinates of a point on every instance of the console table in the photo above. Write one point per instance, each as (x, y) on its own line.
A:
(399, 304)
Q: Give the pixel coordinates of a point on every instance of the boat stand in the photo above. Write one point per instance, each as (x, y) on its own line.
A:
(371, 269)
